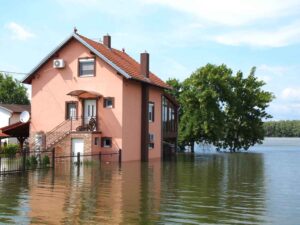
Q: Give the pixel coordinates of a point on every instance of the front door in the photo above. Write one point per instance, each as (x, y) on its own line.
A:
(90, 110)
(77, 147)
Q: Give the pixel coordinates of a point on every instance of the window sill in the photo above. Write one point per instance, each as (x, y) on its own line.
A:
(86, 76)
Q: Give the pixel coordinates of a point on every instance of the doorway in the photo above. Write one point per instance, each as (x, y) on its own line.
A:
(90, 110)
(77, 147)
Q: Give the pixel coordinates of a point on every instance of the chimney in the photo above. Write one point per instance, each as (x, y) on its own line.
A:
(145, 64)
(107, 40)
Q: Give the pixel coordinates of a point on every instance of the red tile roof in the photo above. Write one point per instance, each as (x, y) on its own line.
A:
(125, 62)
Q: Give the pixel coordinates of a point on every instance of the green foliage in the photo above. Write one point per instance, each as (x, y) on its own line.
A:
(12, 91)
(33, 160)
(10, 150)
(177, 87)
(45, 160)
(223, 109)
(282, 128)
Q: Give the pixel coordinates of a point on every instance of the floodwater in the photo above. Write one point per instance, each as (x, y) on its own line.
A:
(261, 186)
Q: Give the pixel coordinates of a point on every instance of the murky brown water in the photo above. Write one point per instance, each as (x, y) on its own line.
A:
(244, 188)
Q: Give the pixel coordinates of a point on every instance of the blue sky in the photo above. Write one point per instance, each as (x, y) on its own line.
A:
(180, 35)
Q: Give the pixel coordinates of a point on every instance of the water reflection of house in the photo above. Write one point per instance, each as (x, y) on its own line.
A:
(90, 97)
(106, 196)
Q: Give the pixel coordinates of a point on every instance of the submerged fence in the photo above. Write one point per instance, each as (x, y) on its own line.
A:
(24, 161)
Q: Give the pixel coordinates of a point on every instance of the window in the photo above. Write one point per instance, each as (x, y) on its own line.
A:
(151, 141)
(86, 67)
(71, 110)
(151, 111)
(108, 102)
(106, 142)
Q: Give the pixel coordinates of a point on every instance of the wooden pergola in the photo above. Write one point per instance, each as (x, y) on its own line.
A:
(17, 130)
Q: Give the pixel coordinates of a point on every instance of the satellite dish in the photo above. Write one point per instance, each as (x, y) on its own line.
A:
(24, 117)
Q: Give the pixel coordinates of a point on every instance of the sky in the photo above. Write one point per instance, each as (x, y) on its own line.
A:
(180, 35)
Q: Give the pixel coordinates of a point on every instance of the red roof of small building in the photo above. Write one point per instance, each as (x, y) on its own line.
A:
(18, 129)
(2, 135)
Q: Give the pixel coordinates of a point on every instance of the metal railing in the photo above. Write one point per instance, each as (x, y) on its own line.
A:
(69, 125)
(22, 161)
(79, 158)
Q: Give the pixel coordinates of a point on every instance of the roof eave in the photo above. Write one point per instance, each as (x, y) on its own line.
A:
(28, 78)
(150, 83)
(109, 62)
(8, 110)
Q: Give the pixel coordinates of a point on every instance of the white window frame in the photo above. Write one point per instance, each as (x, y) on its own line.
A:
(104, 142)
(151, 141)
(111, 99)
(87, 60)
(151, 106)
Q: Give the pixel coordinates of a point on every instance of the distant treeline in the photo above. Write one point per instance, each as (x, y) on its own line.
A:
(284, 128)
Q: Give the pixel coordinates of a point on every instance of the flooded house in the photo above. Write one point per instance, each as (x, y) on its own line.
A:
(88, 97)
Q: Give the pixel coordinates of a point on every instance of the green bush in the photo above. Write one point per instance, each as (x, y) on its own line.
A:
(33, 160)
(10, 150)
(45, 160)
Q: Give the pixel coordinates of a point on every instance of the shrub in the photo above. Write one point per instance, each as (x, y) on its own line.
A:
(33, 160)
(45, 160)
(10, 150)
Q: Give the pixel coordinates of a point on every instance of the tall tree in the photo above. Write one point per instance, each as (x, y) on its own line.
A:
(223, 109)
(12, 91)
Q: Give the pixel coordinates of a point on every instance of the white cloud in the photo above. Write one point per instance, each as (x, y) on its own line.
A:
(19, 32)
(283, 110)
(232, 12)
(291, 94)
(280, 37)
(273, 70)
(267, 73)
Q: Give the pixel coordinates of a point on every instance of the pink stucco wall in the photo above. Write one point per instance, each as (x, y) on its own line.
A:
(50, 87)
(123, 122)
(132, 120)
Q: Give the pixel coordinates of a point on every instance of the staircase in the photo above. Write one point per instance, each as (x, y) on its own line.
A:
(61, 131)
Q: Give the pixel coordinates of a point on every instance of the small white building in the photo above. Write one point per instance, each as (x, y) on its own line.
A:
(10, 114)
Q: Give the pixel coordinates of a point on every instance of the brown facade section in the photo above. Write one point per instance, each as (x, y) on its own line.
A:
(145, 123)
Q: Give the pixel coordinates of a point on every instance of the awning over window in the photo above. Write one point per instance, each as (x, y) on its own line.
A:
(84, 94)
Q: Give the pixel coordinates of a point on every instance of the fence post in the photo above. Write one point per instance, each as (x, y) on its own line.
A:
(24, 160)
(100, 156)
(0, 164)
(78, 158)
(53, 157)
(120, 155)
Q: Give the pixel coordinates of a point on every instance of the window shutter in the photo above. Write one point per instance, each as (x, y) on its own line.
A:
(102, 142)
(153, 112)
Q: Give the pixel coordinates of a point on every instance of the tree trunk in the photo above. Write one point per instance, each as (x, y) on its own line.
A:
(192, 147)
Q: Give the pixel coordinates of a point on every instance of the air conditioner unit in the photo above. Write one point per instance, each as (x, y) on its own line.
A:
(58, 63)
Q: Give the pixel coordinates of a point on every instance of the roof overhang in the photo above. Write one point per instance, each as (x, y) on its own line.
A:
(29, 77)
(17, 130)
(84, 94)
(3, 135)
(6, 109)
